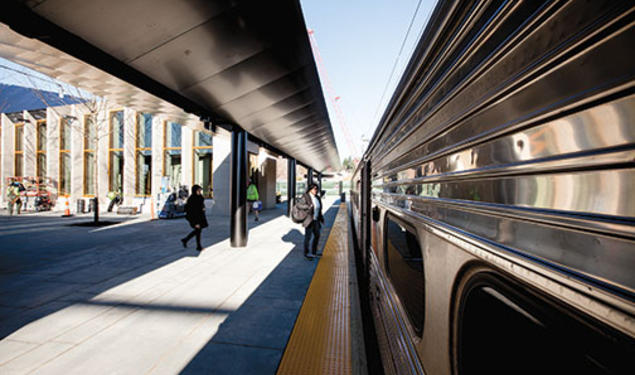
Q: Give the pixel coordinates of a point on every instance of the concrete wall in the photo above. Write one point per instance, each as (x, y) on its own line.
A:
(222, 168)
(53, 120)
(129, 143)
(267, 183)
(187, 141)
(157, 157)
(29, 144)
(8, 147)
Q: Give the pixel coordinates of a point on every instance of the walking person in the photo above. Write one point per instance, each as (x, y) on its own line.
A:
(195, 215)
(312, 204)
(13, 197)
(252, 197)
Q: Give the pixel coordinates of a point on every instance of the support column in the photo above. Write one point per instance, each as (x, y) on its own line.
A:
(29, 135)
(319, 182)
(290, 185)
(309, 177)
(238, 189)
(129, 188)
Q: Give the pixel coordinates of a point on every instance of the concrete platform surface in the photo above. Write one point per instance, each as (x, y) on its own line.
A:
(129, 299)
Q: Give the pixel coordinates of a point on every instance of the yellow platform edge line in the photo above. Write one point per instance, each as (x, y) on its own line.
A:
(320, 342)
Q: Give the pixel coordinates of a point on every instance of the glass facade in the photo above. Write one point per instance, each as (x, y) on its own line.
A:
(65, 173)
(115, 152)
(65, 157)
(202, 163)
(19, 150)
(143, 152)
(89, 133)
(41, 149)
(172, 154)
(115, 161)
(89, 173)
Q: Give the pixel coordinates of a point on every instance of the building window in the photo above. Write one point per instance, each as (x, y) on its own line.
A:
(202, 163)
(172, 154)
(19, 150)
(143, 154)
(115, 152)
(40, 152)
(65, 157)
(404, 264)
(90, 141)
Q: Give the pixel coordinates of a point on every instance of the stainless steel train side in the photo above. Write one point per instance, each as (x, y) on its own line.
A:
(495, 205)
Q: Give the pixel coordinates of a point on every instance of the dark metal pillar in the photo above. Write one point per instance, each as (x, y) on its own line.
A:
(309, 177)
(290, 185)
(238, 189)
(319, 182)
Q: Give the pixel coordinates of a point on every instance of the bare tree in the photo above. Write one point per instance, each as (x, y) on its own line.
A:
(94, 127)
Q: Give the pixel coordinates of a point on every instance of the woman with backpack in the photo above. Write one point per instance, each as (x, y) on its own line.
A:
(195, 215)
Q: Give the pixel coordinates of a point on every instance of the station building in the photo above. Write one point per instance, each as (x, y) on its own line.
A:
(83, 151)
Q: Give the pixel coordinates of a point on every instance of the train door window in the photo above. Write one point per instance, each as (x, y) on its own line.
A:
(504, 328)
(404, 264)
(374, 229)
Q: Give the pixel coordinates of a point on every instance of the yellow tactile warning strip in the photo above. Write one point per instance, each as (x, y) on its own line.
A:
(320, 342)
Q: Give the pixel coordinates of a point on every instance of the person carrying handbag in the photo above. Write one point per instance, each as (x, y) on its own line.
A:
(195, 215)
(252, 197)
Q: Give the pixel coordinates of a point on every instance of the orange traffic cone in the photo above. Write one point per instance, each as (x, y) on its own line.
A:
(67, 211)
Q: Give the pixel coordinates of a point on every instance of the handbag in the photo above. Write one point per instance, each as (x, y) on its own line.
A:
(298, 215)
(257, 206)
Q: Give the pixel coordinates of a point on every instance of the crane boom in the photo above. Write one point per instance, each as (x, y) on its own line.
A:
(331, 94)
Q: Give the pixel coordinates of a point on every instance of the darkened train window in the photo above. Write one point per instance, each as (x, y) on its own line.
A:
(504, 328)
(404, 264)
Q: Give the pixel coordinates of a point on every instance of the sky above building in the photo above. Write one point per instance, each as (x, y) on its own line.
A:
(359, 42)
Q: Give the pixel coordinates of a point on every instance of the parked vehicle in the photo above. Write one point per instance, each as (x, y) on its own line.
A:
(174, 204)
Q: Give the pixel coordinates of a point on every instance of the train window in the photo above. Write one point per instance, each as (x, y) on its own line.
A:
(504, 328)
(404, 264)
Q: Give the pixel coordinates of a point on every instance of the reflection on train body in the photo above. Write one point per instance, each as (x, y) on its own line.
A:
(494, 207)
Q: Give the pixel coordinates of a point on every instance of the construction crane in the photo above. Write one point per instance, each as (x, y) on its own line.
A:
(331, 94)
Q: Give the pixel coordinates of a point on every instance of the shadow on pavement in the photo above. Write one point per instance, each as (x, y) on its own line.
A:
(46, 265)
(252, 339)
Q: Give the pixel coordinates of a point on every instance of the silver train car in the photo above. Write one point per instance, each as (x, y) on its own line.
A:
(494, 209)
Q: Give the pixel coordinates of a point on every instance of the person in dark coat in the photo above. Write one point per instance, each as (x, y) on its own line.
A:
(312, 204)
(195, 214)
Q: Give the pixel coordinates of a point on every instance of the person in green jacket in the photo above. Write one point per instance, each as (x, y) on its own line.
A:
(252, 196)
(13, 197)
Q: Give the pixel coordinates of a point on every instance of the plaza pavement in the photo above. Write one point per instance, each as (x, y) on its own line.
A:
(128, 299)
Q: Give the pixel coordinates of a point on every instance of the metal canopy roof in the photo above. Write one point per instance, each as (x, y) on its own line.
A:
(245, 63)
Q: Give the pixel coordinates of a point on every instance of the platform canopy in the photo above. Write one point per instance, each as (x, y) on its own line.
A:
(239, 63)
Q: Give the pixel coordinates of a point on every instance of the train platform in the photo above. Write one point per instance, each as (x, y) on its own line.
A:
(126, 299)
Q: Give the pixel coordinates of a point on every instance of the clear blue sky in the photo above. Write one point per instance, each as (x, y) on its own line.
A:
(359, 41)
